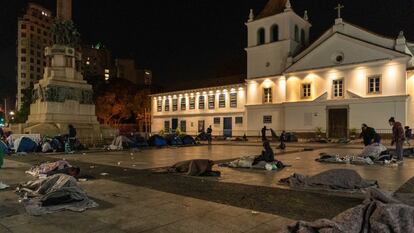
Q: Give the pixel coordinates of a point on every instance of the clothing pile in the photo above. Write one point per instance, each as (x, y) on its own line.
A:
(195, 167)
(332, 180)
(380, 212)
(55, 193)
(48, 168)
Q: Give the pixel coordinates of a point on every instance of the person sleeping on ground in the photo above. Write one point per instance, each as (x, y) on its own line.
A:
(195, 167)
(264, 161)
(58, 167)
(374, 153)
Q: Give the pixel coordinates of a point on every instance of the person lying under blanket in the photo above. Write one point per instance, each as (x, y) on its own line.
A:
(195, 167)
(335, 179)
(374, 153)
(264, 161)
(58, 167)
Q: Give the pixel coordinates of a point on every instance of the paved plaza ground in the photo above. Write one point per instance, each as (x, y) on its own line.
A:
(134, 198)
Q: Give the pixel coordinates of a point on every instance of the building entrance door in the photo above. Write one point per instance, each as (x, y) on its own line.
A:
(338, 123)
(227, 127)
(174, 124)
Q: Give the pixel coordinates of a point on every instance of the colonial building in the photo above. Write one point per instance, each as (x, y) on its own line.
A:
(346, 77)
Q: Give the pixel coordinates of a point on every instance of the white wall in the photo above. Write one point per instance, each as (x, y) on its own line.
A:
(271, 57)
(393, 80)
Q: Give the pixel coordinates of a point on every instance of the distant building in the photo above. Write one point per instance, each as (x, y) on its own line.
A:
(97, 61)
(127, 69)
(33, 35)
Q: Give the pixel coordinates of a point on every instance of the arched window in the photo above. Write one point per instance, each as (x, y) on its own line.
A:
(302, 37)
(296, 33)
(275, 33)
(261, 36)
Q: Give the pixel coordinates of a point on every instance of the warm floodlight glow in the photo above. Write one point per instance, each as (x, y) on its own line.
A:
(267, 83)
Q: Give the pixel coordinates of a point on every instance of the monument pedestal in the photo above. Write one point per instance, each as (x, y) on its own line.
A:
(62, 97)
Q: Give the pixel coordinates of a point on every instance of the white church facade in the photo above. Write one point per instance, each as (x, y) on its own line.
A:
(347, 77)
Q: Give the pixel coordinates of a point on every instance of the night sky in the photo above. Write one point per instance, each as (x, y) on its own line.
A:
(190, 40)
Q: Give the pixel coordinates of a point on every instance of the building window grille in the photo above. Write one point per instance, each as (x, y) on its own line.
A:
(239, 120)
(233, 100)
(216, 120)
(222, 101)
(338, 88)
(183, 104)
(175, 105)
(267, 119)
(167, 105)
(306, 90)
(374, 84)
(159, 105)
(201, 102)
(211, 100)
(192, 103)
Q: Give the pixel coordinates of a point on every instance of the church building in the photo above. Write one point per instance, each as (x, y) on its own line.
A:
(346, 77)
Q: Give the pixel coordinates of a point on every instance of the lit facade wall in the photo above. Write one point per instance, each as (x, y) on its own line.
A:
(192, 117)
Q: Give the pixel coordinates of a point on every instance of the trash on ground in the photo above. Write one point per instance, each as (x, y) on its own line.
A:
(3, 186)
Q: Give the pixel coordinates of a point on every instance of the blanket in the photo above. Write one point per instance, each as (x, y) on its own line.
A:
(45, 168)
(336, 179)
(374, 150)
(55, 193)
(195, 167)
(357, 160)
(380, 212)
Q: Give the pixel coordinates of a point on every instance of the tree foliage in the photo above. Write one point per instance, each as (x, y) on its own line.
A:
(121, 101)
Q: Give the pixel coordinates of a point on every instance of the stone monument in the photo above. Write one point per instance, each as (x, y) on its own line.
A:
(62, 97)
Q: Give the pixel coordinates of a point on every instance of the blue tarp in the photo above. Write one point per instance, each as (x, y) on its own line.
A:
(26, 145)
(174, 140)
(157, 140)
(188, 140)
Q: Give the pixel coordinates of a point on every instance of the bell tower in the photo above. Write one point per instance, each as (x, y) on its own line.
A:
(274, 35)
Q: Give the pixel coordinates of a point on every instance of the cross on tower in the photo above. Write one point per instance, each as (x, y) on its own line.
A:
(338, 8)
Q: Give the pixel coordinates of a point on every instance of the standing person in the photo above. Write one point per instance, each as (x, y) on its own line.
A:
(368, 135)
(264, 138)
(209, 133)
(408, 134)
(397, 137)
(282, 138)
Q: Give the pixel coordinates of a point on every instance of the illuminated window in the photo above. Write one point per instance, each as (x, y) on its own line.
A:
(275, 33)
(239, 120)
(201, 102)
(306, 90)
(175, 105)
(261, 34)
(159, 105)
(211, 100)
(106, 71)
(183, 104)
(267, 95)
(338, 88)
(233, 100)
(374, 84)
(192, 103)
(222, 101)
(167, 105)
(267, 119)
(216, 120)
